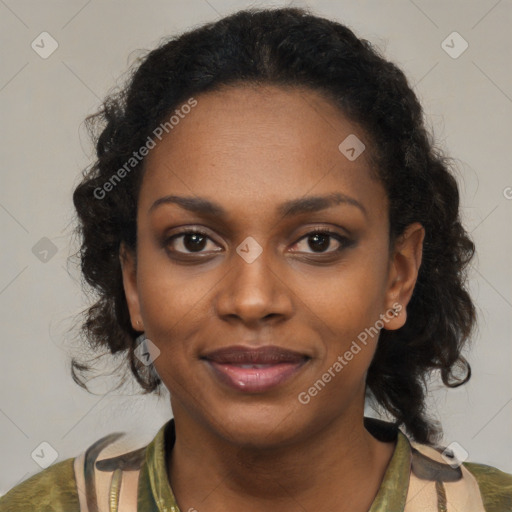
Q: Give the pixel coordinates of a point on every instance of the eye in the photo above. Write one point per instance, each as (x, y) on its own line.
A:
(194, 241)
(320, 239)
(189, 242)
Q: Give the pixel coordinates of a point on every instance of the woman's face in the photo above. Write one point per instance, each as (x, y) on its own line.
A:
(249, 315)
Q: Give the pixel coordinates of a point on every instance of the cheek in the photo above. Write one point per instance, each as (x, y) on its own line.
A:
(173, 309)
(350, 303)
(172, 303)
(350, 294)
(167, 292)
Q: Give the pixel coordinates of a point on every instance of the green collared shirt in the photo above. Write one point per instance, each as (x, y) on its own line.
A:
(418, 478)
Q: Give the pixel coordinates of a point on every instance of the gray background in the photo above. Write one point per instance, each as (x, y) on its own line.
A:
(43, 102)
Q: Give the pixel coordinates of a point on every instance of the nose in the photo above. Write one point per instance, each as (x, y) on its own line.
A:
(254, 292)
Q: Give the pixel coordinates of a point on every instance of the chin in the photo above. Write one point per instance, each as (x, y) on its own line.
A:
(262, 426)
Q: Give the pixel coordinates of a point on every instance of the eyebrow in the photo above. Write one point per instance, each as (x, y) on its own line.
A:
(309, 204)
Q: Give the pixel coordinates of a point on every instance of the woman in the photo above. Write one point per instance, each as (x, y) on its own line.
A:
(274, 238)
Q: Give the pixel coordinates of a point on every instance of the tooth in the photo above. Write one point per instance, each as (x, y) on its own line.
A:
(254, 366)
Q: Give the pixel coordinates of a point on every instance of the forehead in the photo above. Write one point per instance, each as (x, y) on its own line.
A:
(257, 146)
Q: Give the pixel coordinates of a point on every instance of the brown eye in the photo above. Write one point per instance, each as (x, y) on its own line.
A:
(319, 241)
(188, 242)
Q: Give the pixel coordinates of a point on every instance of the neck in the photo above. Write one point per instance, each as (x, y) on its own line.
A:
(207, 472)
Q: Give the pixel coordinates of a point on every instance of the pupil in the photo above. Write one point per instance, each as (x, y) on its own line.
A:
(320, 236)
(197, 244)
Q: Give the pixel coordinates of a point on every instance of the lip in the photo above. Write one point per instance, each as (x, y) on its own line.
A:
(254, 370)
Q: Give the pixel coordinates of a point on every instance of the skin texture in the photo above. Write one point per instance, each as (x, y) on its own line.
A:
(249, 149)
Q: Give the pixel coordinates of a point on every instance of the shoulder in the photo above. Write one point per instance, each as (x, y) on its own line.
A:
(495, 486)
(51, 490)
(468, 486)
(56, 488)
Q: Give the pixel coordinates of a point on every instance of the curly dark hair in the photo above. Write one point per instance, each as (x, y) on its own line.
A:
(291, 47)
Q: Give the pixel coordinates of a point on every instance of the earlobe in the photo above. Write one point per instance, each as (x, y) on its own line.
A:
(129, 273)
(404, 269)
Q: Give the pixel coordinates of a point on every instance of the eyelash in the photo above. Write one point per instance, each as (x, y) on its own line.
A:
(343, 241)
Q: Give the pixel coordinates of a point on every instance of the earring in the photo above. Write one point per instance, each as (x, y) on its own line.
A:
(396, 312)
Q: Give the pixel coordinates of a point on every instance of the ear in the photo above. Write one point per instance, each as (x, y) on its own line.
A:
(403, 272)
(129, 271)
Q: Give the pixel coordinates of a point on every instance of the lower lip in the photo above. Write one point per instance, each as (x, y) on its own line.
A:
(254, 380)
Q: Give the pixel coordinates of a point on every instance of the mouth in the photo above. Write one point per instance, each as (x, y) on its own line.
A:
(254, 370)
